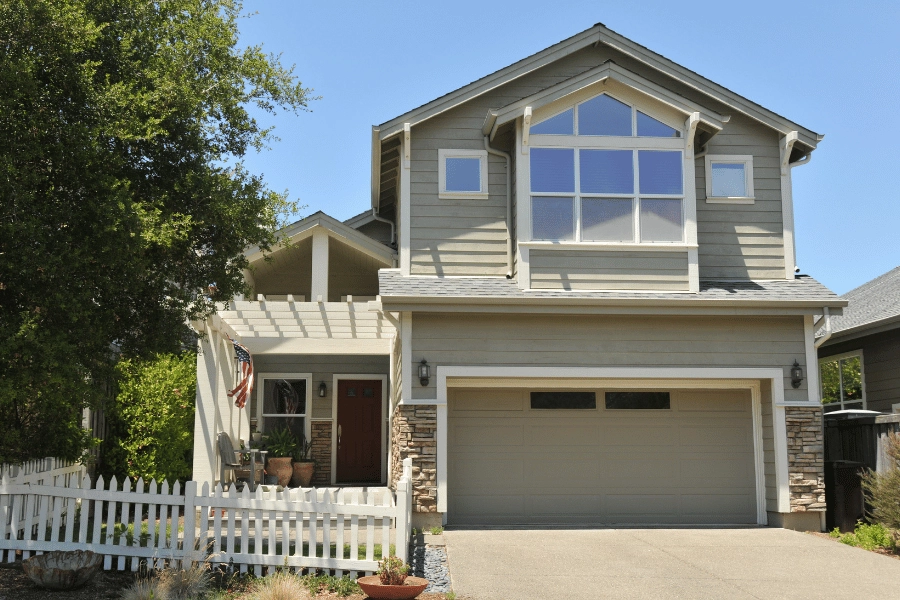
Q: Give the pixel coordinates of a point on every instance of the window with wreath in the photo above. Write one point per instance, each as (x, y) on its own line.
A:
(604, 171)
(841, 379)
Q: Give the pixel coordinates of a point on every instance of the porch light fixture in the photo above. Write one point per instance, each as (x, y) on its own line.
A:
(323, 389)
(796, 375)
(424, 372)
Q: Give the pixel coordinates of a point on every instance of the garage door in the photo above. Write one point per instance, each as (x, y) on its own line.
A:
(680, 457)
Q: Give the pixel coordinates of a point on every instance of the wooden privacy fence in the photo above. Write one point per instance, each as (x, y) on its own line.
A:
(336, 530)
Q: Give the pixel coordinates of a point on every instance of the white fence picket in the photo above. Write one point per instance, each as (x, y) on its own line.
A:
(273, 523)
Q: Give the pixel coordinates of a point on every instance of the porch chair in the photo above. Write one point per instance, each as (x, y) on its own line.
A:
(230, 459)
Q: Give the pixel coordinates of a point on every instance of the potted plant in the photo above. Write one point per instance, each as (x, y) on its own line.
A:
(304, 466)
(256, 435)
(281, 446)
(392, 581)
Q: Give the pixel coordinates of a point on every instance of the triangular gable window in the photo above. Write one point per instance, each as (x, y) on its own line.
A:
(647, 126)
(604, 115)
(561, 124)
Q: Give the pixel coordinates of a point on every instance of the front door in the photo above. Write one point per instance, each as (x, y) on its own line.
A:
(359, 431)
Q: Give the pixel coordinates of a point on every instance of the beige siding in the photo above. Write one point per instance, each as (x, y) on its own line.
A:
(743, 241)
(467, 237)
(608, 340)
(288, 272)
(322, 367)
(608, 270)
(881, 367)
(350, 272)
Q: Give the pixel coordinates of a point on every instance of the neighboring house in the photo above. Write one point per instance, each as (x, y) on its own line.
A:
(591, 315)
(860, 359)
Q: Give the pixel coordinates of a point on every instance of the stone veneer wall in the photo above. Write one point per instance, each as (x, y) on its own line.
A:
(414, 435)
(806, 458)
(321, 452)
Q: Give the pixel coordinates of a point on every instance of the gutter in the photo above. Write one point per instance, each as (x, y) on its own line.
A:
(509, 215)
(827, 317)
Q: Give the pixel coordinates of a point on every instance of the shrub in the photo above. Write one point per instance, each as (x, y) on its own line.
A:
(392, 571)
(883, 489)
(141, 589)
(283, 585)
(152, 420)
(341, 586)
(865, 536)
(180, 584)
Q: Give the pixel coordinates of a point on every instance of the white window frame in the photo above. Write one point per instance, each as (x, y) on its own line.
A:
(862, 378)
(443, 155)
(633, 143)
(732, 159)
(260, 398)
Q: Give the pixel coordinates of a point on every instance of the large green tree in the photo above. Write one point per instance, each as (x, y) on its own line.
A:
(122, 128)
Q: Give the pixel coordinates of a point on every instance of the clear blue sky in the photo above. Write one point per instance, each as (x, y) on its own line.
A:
(831, 66)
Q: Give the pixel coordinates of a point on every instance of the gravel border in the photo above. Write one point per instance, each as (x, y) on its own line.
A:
(430, 561)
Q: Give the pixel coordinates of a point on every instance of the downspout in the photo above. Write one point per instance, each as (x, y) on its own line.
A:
(827, 317)
(383, 220)
(509, 217)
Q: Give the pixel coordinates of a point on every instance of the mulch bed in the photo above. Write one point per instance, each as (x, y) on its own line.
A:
(15, 585)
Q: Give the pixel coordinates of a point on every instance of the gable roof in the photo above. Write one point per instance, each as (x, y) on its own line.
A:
(872, 305)
(350, 236)
(601, 34)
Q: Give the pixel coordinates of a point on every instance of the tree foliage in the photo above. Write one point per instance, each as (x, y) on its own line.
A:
(122, 193)
(151, 423)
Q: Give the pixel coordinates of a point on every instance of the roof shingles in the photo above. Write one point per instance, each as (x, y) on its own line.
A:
(870, 303)
(802, 289)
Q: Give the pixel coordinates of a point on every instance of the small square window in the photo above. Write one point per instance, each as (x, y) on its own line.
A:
(729, 179)
(462, 174)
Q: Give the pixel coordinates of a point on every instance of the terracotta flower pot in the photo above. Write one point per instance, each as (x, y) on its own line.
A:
(281, 468)
(303, 473)
(412, 587)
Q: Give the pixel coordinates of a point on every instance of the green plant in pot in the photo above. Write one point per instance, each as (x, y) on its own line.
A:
(392, 581)
(281, 445)
(304, 466)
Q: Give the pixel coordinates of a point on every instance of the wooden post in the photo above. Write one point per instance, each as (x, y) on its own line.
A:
(404, 510)
(190, 525)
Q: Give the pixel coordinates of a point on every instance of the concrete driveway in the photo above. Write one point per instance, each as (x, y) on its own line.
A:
(663, 563)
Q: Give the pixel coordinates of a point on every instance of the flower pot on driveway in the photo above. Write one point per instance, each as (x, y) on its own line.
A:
(303, 473)
(281, 468)
(412, 587)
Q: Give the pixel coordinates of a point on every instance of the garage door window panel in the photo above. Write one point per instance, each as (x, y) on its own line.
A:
(638, 400)
(563, 400)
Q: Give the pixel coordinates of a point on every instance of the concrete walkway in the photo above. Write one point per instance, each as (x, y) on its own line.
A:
(663, 563)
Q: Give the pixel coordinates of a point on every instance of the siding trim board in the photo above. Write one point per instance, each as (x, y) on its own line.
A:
(640, 377)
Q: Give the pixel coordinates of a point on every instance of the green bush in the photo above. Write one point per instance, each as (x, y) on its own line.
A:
(865, 536)
(151, 425)
(883, 489)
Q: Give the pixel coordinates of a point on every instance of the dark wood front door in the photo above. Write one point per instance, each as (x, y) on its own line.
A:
(359, 431)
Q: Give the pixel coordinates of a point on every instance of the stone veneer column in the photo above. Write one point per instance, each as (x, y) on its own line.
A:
(413, 435)
(806, 458)
(321, 452)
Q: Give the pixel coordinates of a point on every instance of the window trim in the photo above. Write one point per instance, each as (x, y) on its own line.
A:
(261, 379)
(862, 378)
(443, 155)
(747, 161)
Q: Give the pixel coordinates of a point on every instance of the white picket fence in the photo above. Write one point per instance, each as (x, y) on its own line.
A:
(301, 528)
(44, 471)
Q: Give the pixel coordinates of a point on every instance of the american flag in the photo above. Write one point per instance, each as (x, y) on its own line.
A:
(245, 385)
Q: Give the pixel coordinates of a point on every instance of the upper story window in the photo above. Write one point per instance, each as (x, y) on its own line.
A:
(462, 174)
(842, 384)
(729, 178)
(604, 171)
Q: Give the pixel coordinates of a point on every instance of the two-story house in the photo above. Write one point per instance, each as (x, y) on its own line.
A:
(572, 300)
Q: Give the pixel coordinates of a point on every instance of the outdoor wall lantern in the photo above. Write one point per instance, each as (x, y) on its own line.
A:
(424, 372)
(796, 375)
(323, 389)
